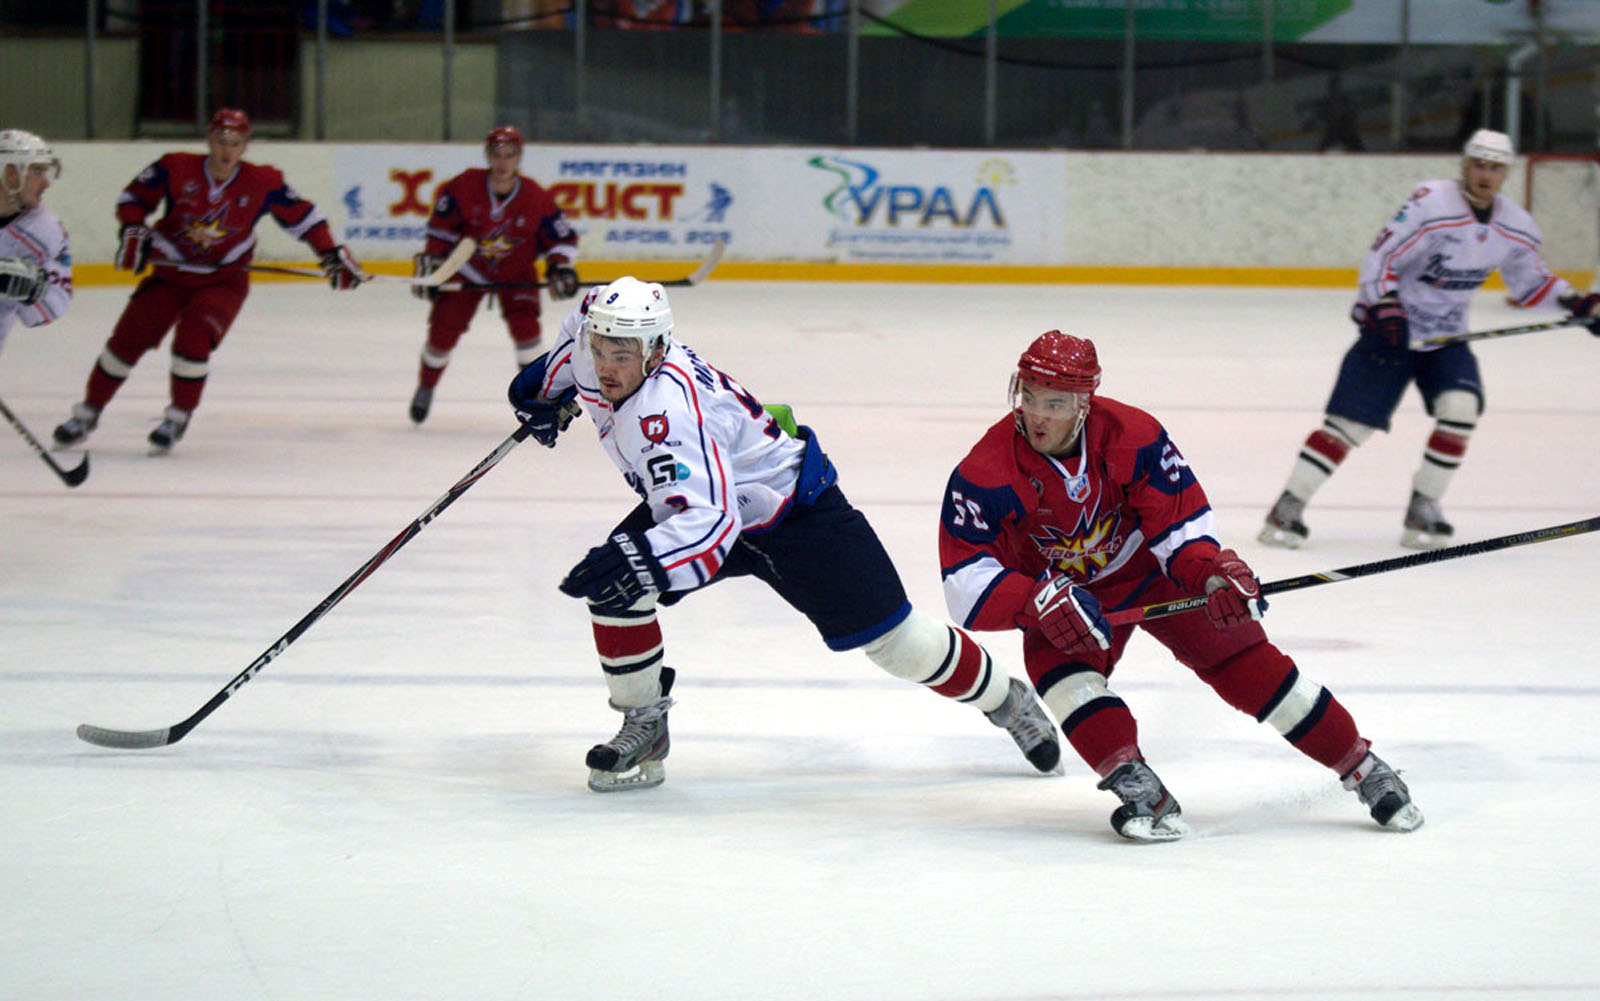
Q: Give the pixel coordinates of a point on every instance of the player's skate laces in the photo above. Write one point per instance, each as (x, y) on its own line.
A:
(1381, 790)
(77, 427)
(641, 744)
(169, 432)
(1148, 812)
(1284, 527)
(421, 400)
(1425, 525)
(1022, 717)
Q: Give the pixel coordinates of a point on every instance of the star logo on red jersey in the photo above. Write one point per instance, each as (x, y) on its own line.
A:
(496, 247)
(206, 232)
(1083, 552)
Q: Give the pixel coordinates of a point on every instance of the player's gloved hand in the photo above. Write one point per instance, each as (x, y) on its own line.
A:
(614, 576)
(22, 280)
(423, 265)
(1070, 616)
(1386, 319)
(1233, 595)
(546, 419)
(561, 279)
(341, 268)
(133, 247)
(1583, 307)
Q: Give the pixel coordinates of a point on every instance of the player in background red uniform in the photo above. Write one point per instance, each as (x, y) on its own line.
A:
(515, 222)
(1074, 503)
(197, 280)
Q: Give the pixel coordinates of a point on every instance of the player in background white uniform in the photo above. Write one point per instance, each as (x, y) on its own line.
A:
(730, 488)
(35, 262)
(1416, 284)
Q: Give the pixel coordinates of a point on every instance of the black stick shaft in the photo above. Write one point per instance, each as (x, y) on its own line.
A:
(71, 477)
(1526, 328)
(171, 735)
(1165, 608)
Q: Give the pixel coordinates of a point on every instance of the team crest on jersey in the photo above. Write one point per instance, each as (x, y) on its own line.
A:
(1084, 551)
(1078, 488)
(497, 246)
(207, 230)
(654, 427)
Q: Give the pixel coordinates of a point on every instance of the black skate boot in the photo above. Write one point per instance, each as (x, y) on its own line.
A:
(1148, 812)
(1021, 716)
(1382, 792)
(1283, 527)
(76, 428)
(421, 400)
(641, 744)
(1425, 525)
(169, 432)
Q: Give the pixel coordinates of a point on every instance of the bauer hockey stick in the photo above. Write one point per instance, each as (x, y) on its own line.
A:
(1129, 616)
(459, 255)
(1526, 328)
(71, 477)
(695, 277)
(171, 735)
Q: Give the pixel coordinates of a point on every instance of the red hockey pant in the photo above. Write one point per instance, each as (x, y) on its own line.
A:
(203, 307)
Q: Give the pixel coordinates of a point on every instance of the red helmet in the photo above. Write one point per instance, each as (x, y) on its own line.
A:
(230, 120)
(504, 135)
(1061, 362)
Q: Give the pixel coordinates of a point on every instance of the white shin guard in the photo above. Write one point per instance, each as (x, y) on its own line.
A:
(929, 653)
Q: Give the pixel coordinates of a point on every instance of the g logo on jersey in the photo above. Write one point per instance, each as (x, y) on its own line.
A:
(654, 427)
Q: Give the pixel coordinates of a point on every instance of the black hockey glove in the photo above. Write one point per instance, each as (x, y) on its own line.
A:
(614, 576)
(341, 268)
(423, 265)
(1585, 307)
(1386, 320)
(562, 280)
(544, 419)
(22, 280)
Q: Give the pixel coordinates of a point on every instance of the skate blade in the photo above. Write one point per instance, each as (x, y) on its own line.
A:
(1144, 830)
(647, 776)
(1421, 538)
(1272, 535)
(1406, 819)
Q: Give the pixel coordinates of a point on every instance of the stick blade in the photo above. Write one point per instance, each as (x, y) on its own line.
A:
(707, 266)
(77, 474)
(124, 739)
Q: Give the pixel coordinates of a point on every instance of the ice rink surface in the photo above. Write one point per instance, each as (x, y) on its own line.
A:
(395, 809)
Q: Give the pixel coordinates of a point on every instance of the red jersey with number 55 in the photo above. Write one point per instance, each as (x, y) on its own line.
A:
(1126, 507)
(513, 231)
(207, 223)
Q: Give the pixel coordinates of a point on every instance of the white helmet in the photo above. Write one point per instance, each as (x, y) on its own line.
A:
(23, 150)
(630, 308)
(1491, 146)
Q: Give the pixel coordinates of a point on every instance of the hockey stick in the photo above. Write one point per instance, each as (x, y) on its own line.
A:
(697, 276)
(1526, 328)
(172, 734)
(71, 477)
(459, 255)
(1135, 615)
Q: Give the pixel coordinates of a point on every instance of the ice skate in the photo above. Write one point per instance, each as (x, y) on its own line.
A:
(633, 758)
(1425, 526)
(1383, 793)
(1148, 812)
(169, 432)
(421, 400)
(76, 428)
(1283, 527)
(1021, 716)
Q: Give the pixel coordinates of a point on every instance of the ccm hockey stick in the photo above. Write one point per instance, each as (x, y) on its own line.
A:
(1134, 615)
(459, 255)
(1526, 328)
(171, 735)
(695, 277)
(71, 477)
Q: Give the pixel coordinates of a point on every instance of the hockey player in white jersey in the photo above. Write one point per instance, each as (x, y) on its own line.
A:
(1416, 283)
(729, 488)
(35, 262)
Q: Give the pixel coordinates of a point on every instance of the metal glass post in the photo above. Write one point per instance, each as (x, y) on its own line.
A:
(1127, 74)
(852, 74)
(580, 28)
(716, 70)
(201, 96)
(991, 84)
(449, 60)
(88, 71)
(321, 115)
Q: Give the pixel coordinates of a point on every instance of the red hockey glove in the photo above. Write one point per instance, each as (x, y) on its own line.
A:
(1233, 595)
(133, 247)
(1387, 320)
(1070, 617)
(341, 268)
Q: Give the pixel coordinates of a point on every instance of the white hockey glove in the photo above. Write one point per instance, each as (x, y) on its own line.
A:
(423, 265)
(22, 280)
(341, 268)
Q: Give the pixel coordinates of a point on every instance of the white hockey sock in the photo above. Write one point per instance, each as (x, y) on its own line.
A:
(943, 658)
(1456, 413)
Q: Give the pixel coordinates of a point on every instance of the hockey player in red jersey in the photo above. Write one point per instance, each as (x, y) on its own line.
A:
(197, 281)
(515, 222)
(1074, 505)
